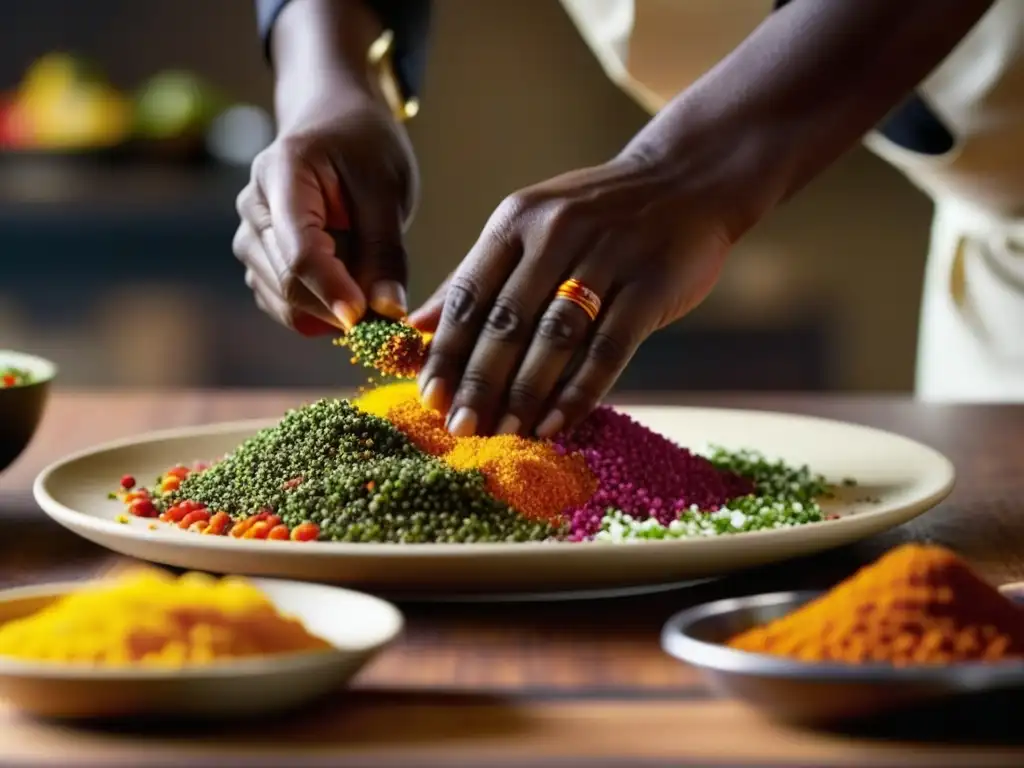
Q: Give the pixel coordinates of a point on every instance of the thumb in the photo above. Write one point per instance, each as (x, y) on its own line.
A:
(298, 212)
(383, 263)
(428, 316)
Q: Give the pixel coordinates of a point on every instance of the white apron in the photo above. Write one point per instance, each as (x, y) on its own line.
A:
(971, 339)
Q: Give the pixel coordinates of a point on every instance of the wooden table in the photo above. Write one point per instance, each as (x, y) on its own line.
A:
(581, 683)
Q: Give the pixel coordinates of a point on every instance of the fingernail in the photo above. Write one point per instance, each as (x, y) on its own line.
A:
(551, 424)
(509, 425)
(346, 313)
(432, 395)
(463, 423)
(387, 297)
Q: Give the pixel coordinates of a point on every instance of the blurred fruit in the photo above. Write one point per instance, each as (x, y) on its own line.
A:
(64, 103)
(14, 127)
(175, 104)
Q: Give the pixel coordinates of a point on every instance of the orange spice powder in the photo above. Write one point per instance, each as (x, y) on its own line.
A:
(529, 475)
(916, 605)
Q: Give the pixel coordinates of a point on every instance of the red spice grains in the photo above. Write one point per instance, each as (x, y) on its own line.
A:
(642, 473)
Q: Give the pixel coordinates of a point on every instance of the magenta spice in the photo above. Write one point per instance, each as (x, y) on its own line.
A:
(642, 473)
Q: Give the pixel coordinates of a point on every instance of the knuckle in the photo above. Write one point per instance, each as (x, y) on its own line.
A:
(261, 164)
(563, 217)
(250, 279)
(579, 396)
(505, 321)
(240, 243)
(608, 350)
(475, 386)
(515, 206)
(461, 300)
(243, 199)
(560, 328)
(523, 397)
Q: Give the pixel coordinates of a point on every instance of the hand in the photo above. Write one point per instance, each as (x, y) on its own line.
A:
(504, 357)
(344, 164)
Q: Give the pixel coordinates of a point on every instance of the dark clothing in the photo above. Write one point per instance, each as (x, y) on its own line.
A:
(409, 20)
(913, 125)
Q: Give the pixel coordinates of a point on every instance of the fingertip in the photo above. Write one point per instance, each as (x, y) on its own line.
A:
(348, 313)
(434, 394)
(388, 298)
(551, 424)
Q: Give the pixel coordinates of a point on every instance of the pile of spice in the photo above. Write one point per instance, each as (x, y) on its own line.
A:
(916, 605)
(383, 468)
(333, 472)
(534, 477)
(153, 619)
(14, 377)
(391, 348)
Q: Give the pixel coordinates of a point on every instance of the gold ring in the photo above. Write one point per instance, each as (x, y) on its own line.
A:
(584, 298)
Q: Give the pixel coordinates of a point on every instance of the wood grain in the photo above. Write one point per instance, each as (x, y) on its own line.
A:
(511, 684)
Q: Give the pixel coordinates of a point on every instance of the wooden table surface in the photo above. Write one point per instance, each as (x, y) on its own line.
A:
(569, 683)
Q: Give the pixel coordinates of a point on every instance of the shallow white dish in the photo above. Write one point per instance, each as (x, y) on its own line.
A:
(898, 480)
(356, 625)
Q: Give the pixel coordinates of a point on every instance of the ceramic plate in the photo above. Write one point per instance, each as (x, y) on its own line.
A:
(898, 479)
(357, 626)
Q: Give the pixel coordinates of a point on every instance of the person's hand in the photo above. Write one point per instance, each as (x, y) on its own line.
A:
(345, 164)
(508, 356)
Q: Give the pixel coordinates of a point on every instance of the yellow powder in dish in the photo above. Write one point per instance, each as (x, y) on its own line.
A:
(154, 619)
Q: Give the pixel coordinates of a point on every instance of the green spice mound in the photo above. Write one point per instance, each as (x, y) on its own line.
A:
(387, 346)
(359, 479)
(771, 478)
(404, 499)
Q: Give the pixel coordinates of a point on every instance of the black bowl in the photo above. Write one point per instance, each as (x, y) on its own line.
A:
(21, 407)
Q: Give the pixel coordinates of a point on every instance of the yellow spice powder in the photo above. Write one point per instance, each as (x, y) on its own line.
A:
(155, 619)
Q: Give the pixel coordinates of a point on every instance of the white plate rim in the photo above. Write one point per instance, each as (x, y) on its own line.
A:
(75, 520)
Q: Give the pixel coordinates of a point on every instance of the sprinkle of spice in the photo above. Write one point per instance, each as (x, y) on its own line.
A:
(392, 348)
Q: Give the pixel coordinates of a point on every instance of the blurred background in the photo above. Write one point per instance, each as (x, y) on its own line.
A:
(121, 155)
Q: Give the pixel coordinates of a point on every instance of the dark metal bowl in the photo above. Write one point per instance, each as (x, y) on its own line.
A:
(21, 407)
(812, 693)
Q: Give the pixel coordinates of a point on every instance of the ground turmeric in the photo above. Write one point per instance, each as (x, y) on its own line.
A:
(916, 605)
(153, 619)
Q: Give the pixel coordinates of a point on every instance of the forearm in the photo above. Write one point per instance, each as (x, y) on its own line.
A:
(804, 87)
(318, 44)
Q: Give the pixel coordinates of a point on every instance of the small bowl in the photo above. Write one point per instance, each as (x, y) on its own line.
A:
(811, 693)
(21, 407)
(357, 627)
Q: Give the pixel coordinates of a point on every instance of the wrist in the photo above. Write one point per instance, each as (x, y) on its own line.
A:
(732, 168)
(320, 51)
